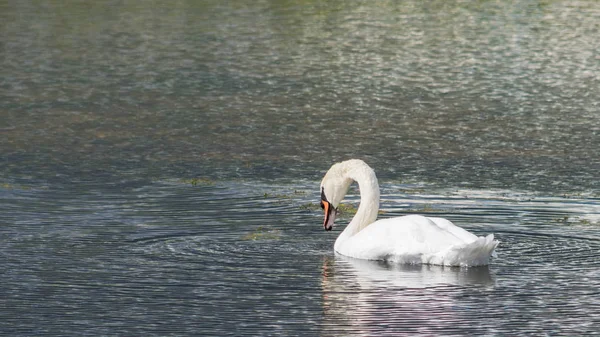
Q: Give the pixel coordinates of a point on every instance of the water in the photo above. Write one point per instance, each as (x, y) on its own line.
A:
(160, 165)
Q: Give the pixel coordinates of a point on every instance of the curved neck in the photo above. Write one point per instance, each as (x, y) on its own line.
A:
(369, 201)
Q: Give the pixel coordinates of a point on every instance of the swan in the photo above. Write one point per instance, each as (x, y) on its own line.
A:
(412, 239)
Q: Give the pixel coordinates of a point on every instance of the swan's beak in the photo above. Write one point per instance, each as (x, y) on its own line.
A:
(330, 213)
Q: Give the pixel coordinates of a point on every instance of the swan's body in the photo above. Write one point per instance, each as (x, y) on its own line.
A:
(406, 239)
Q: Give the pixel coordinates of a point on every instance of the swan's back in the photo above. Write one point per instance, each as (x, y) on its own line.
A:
(418, 239)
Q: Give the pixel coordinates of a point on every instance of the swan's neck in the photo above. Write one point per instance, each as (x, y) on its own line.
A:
(369, 202)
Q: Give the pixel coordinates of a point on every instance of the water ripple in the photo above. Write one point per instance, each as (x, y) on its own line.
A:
(160, 178)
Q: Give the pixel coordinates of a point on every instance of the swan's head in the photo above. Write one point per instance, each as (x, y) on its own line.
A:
(334, 186)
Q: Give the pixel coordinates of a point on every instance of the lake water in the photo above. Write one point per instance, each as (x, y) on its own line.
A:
(160, 165)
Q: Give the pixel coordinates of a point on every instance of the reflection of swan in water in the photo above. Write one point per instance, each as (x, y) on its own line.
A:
(362, 297)
(409, 239)
(381, 273)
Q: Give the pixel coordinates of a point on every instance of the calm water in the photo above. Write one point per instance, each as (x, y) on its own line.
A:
(160, 165)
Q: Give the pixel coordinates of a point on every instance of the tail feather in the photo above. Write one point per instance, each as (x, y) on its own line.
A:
(476, 253)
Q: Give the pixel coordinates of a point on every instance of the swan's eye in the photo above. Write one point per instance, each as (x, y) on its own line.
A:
(322, 205)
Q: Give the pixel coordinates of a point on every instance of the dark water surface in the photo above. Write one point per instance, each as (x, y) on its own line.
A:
(160, 164)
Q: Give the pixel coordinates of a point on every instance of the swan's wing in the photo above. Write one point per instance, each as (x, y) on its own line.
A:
(417, 239)
(451, 228)
(408, 236)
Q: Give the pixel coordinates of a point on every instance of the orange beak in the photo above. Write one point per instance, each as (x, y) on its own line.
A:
(329, 215)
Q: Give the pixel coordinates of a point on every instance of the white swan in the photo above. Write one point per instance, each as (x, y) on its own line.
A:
(411, 239)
